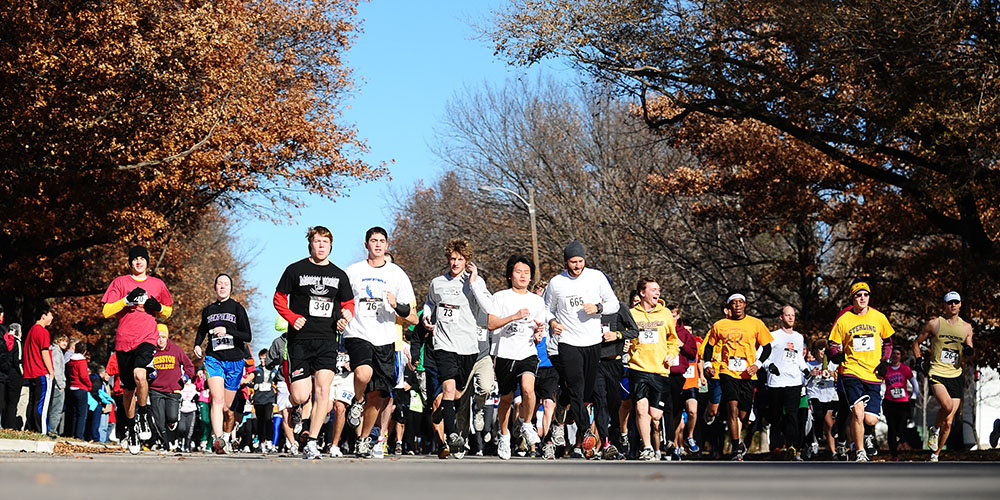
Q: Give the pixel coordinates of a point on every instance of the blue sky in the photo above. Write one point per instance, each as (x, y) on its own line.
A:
(411, 59)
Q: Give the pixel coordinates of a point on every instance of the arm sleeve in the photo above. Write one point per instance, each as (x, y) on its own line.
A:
(242, 326)
(166, 311)
(349, 305)
(482, 296)
(345, 294)
(707, 355)
(886, 348)
(914, 384)
(765, 353)
(113, 308)
(629, 329)
(281, 305)
(611, 304)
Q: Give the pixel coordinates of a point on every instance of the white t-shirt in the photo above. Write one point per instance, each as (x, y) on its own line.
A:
(374, 320)
(565, 297)
(822, 388)
(515, 340)
(787, 355)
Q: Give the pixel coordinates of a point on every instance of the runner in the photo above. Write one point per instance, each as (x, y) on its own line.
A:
(694, 379)
(277, 360)
(577, 298)
(225, 324)
(264, 399)
(822, 393)
(136, 300)
(314, 296)
(449, 315)
(786, 369)
(737, 339)
(650, 357)
(617, 328)
(950, 345)
(897, 398)
(173, 368)
(518, 326)
(675, 386)
(382, 291)
(860, 343)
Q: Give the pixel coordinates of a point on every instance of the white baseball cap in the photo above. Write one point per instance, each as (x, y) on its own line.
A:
(952, 295)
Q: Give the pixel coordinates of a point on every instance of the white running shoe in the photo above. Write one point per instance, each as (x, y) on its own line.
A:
(934, 457)
(503, 447)
(310, 451)
(862, 456)
(378, 449)
(335, 452)
(530, 434)
(932, 438)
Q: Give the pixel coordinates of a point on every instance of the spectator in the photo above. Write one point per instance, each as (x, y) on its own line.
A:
(78, 380)
(189, 416)
(4, 363)
(204, 427)
(57, 403)
(38, 370)
(107, 406)
(263, 403)
(15, 378)
(171, 367)
(118, 395)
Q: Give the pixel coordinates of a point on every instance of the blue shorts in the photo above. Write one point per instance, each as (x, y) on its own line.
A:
(859, 391)
(230, 371)
(714, 391)
(625, 387)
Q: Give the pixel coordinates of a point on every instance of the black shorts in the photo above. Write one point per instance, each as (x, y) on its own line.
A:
(509, 372)
(819, 408)
(382, 360)
(308, 356)
(453, 366)
(739, 390)
(649, 386)
(953, 385)
(546, 383)
(128, 361)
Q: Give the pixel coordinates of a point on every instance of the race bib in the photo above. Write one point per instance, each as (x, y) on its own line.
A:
(949, 356)
(737, 364)
(648, 337)
(368, 307)
(675, 361)
(222, 342)
(689, 373)
(447, 313)
(863, 342)
(790, 354)
(320, 307)
(262, 387)
(574, 303)
(897, 392)
(481, 334)
(342, 359)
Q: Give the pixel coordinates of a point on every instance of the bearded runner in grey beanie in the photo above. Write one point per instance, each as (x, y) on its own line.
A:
(574, 249)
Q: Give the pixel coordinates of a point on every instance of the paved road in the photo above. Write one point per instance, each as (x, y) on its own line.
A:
(207, 477)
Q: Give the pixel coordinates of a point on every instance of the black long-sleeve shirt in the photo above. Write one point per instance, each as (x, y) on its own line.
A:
(619, 322)
(234, 345)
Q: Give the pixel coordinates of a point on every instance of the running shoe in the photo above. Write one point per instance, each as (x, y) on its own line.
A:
(739, 452)
(647, 454)
(814, 449)
(932, 438)
(378, 450)
(559, 434)
(399, 448)
(791, 453)
(995, 435)
(861, 456)
(142, 426)
(355, 412)
(576, 453)
(219, 446)
(841, 451)
(610, 453)
(549, 451)
(364, 447)
(456, 444)
(458, 455)
(293, 448)
(295, 418)
(870, 446)
(132, 441)
(934, 457)
(624, 442)
(691, 445)
(503, 447)
(589, 444)
(310, 451)
(479, 420)
(443, 452)
(530, 434)
(709, 420)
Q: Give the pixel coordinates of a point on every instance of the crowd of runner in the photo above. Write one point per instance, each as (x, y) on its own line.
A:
(548, 369)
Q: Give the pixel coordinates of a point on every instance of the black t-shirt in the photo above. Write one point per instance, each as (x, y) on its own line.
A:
(316, 293)
(232, 345)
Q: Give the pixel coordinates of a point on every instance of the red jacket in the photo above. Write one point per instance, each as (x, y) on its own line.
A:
(77, 373)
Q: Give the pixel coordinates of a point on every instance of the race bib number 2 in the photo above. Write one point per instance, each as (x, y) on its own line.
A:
(320, 307)
(863, 342)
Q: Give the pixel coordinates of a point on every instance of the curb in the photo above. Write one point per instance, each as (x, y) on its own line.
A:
(27, 445)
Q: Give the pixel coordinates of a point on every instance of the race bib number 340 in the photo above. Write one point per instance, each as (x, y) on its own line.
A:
(320, 307)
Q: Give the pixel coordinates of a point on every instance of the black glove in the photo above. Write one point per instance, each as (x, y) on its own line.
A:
(773, 369)
(837, 358)
(134, 295)
(882, 367)
(967, 351)
(152, 306)
(924, 365)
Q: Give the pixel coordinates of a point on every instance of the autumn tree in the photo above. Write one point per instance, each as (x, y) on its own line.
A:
(126, 122)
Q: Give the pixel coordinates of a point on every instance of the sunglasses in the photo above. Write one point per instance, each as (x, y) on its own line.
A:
(953, 302)
(861, 294)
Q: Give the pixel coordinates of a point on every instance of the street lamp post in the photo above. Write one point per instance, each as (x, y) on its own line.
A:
(530, 203)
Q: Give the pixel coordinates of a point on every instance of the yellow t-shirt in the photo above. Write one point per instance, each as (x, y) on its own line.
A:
(657, 340)
(861, 339)
(946, 349)
(737, 343)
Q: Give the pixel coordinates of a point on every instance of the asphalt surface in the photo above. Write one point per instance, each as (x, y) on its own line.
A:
(205, 476)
